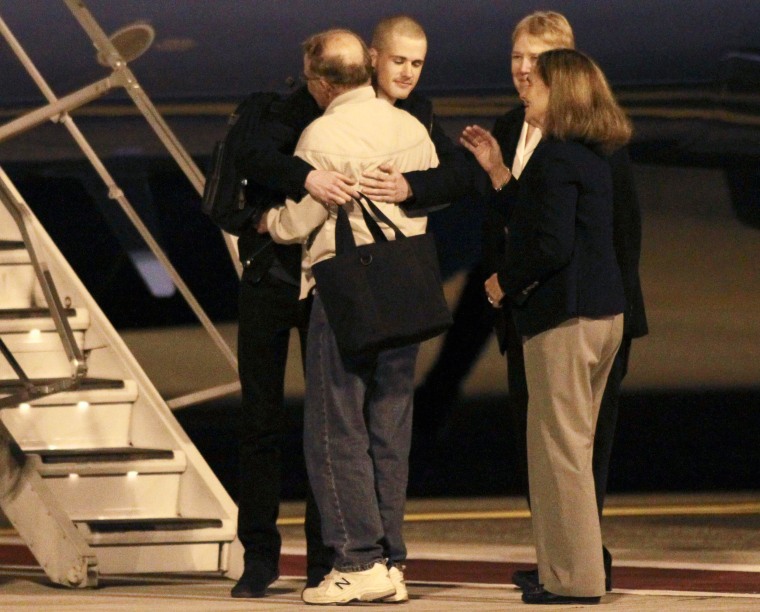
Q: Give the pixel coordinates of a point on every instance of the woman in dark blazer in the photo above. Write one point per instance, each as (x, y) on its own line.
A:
(537, 32)
(562, 281)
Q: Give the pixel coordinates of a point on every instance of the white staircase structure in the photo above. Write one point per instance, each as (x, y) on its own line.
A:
(96, 474)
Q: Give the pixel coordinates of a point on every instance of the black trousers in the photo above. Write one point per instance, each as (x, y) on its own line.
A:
(462, 346)
(605, 425)
(268, 309)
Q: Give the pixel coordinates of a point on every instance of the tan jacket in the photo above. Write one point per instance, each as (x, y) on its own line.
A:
(357, 132)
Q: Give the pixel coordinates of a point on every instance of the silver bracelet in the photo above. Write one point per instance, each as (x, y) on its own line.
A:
(504, 184)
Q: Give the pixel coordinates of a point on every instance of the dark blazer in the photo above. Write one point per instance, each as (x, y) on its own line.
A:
(626, 217)
(268, 159)
(273, 174)
(435, 188)
(626, 224)
(560, 260)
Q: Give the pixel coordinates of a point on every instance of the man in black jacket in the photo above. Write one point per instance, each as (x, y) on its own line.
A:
(269, 306)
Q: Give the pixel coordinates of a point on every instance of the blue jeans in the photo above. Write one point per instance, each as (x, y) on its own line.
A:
(357, 434)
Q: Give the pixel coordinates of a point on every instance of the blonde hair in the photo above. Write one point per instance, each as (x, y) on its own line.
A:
(336, 67)
(403, 25)
(581, 104)
(552, 28)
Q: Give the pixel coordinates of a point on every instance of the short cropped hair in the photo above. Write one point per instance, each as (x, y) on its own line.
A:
(552, 28)
(334, 67)
(581, 104)
(404, 25)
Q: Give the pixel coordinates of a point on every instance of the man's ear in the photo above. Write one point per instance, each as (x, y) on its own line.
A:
(329, 90)
(373, 55)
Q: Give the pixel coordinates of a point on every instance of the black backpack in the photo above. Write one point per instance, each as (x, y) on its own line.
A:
(224, 195)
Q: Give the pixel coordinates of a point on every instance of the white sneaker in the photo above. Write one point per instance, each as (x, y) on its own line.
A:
(343, 587)
(397, 578)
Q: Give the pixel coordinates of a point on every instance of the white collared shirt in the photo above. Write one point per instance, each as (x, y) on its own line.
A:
(525, 149)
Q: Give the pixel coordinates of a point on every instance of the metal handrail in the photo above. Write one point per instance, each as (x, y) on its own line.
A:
(58, 109)
(21, 217)
(28, 390)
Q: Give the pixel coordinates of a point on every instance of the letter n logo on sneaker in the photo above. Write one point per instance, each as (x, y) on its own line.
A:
(341, 582)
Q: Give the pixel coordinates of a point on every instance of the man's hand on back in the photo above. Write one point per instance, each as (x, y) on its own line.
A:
(386, 184)
(330, 187)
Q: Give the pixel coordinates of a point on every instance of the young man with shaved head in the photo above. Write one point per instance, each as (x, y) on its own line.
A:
(399, 49)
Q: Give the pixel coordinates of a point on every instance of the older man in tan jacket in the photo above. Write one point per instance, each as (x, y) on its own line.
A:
(358, 410)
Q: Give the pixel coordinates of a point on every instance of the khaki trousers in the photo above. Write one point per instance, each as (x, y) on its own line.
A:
(566, 369)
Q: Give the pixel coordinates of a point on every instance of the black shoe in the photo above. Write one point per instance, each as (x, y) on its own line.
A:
(539, 595)
(526, 580)
(607, 568)
(254, 581)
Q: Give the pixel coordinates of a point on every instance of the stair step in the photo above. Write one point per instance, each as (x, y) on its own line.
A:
(151, 530)
(77, 424)
(86, 384)
(119, 558)
(18, 282)
(40, 355)
(150, 524)
(20, 320)
(14, 254)
(102, 455)
(92, 390)
(11, 245)
(34, 312)
(116, 462)
(132, 493)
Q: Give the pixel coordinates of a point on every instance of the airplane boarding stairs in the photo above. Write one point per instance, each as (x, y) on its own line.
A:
(96, 474)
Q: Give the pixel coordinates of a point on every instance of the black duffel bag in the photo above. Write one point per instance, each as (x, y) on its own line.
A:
(382, 295)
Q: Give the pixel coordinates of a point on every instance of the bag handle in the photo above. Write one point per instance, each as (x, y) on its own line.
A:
(344, 235)
(380, 215)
